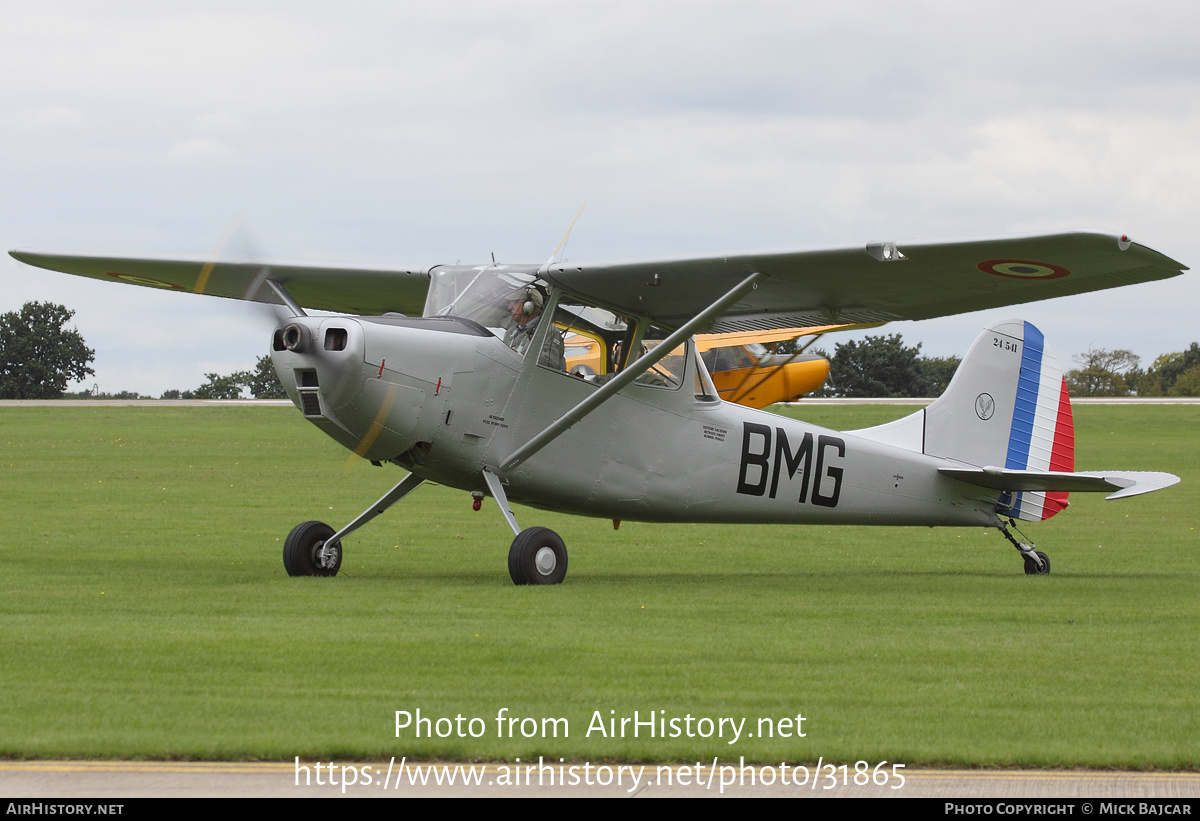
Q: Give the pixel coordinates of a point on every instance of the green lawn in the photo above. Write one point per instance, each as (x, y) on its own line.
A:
(147, 612)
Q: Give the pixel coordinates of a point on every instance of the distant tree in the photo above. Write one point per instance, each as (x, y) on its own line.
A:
(38, 355)
(1103, 373)
(937, 371)
(826, 389)
(1188, 383)
(262, 381)
(1161, 377)
(879, 366)
(222, 387)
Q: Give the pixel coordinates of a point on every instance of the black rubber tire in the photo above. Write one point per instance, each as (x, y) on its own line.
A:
(1031, 568)
(523, 565)
(300, 550)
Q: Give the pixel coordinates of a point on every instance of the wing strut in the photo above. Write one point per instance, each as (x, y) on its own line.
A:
(282, 293)
(635, 369)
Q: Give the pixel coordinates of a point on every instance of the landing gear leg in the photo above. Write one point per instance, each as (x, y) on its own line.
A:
(1037, 563)
(313, 549)
(537, 555)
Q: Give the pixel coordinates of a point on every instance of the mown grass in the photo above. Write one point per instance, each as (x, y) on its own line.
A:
(146, 611)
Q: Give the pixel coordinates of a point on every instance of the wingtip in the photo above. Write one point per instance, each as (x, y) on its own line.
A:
(1139, 482)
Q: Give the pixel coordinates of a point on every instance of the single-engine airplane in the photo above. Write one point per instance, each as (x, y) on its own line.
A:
(475, 392)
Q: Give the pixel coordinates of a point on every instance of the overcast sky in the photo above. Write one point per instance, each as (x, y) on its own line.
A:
(423, 133)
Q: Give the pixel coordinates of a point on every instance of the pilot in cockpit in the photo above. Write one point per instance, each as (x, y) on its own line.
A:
(526, 312)
(525, 309)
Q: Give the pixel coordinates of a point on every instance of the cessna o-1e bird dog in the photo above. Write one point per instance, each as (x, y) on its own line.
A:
(475, 394)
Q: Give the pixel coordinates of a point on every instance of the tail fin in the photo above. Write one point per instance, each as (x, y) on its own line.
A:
(1006, 405)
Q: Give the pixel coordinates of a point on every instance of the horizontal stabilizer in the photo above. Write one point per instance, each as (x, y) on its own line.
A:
(1117, 483)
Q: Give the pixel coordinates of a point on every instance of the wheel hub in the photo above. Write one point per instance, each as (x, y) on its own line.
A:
(326, 555)
(545, 561)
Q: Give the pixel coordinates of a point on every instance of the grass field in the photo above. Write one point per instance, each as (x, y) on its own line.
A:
(147, 614)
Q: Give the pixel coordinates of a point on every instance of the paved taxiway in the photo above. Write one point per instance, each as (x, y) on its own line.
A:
(169, 779)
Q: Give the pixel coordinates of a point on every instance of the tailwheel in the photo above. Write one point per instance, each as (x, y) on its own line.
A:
(308, 552)
(1037, 563)
(1032, 567)
(537, 556)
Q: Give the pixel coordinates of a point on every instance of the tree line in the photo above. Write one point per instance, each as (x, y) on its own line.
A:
(1118, 373)
(39, 356)
(883, 366)
(260, 383)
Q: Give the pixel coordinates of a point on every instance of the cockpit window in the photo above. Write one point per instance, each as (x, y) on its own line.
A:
(593, 344)
(483, 294)
(585, 341)
(668, 371)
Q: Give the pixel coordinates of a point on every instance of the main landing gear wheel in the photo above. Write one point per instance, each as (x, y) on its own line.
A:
(537, 556)
(307, 553)
(1031, 567)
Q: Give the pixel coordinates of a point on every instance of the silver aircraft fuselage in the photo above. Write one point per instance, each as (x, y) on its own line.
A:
(446, 399)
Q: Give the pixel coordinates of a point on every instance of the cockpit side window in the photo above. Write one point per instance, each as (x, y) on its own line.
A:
(585, 341)
(668, 372)
(592, 343)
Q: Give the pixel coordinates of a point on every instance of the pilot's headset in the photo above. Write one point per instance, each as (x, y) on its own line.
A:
(533, 301)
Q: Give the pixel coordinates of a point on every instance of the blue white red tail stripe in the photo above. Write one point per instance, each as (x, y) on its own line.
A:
(1042, 435)
(1025, 409)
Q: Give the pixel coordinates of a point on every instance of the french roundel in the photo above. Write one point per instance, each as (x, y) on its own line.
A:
(153, 283)
(1022, 269)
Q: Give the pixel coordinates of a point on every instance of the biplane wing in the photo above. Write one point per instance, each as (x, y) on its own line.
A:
(880, 282)
(338, 288)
